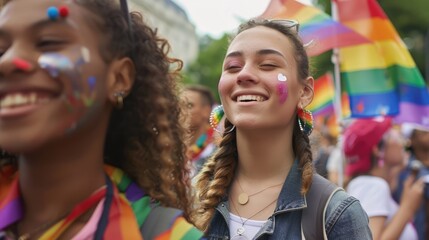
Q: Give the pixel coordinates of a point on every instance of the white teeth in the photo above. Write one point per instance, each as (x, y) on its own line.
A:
(246, 98)
(19, 99)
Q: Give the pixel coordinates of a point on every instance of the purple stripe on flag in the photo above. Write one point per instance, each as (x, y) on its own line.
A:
(324, 111)
(412, 113)
(133, 192)
(10, 213)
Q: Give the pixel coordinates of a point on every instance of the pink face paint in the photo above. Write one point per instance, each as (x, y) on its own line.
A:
(282, 88)
(22, 64)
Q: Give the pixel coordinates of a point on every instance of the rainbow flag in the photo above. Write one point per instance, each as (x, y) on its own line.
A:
(323, 100)
(317, 29)
(322, 105)
(381, 78)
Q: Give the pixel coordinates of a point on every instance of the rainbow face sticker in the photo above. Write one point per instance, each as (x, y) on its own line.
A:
(282, 88)
(79, 90)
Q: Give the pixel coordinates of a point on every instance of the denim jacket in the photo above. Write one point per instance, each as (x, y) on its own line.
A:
(345, 218)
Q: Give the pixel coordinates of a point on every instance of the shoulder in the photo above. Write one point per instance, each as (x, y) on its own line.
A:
(369, 187)
(168, 223)
(345, 218)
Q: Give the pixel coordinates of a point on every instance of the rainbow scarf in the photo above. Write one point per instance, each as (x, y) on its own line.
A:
(381, 77)
(316, 27)
(129, 207)
(202, 142)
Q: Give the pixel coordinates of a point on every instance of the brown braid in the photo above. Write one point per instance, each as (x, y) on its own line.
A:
(302, 149)
(215, 178)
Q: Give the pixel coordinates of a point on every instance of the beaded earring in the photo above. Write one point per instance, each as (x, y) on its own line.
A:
(215, 118)
(305, 121)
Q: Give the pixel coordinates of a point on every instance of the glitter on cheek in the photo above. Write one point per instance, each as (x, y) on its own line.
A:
(282, 90)
(91, 83)
(55, 63)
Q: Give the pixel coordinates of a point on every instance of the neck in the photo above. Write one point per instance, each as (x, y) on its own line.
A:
(58, 176)
(264, 154)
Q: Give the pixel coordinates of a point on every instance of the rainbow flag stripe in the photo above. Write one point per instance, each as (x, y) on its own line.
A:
(323, 100)
(316, 27)
(381, 77)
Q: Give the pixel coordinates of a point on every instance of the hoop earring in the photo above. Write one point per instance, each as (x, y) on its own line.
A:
(119, 99)
(215, 118)
(305, 121)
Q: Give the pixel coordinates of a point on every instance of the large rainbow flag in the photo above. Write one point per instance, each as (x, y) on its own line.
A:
(317, 28)
(381, 77)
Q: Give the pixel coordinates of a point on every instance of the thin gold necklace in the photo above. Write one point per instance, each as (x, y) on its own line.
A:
(241, 230)
(243, 197)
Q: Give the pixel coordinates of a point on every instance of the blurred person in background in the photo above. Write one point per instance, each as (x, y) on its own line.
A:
(199, 101)
(374, 151)
(418, 163)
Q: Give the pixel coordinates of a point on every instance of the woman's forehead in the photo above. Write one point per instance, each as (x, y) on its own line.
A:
(261, 37)
(26, 11)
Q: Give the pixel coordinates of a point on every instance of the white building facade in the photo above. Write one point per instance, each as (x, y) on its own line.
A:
(173, 24)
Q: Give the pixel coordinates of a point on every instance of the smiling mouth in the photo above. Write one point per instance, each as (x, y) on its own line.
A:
(250, 98)
(16, 100)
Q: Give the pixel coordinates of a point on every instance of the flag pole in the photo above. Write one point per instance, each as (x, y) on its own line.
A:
(337, 97)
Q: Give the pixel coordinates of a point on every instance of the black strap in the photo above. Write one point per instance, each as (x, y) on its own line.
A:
(104, 219)
(317, 197)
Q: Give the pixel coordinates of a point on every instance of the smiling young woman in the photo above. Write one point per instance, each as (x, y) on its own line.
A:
(259, 183)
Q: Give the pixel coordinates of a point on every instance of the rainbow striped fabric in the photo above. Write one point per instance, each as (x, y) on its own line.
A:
(322, 105)
(381, 77)
(316, 27)
(129, 209)
(323, 100)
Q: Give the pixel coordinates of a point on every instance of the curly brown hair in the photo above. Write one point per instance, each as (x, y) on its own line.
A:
(144, 138)
(217, 174)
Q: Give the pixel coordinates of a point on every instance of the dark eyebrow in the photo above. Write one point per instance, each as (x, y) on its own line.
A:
(260, 52)
(39, 25)
(269, 52)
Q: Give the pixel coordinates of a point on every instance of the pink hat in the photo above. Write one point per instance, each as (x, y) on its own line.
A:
(359, 140)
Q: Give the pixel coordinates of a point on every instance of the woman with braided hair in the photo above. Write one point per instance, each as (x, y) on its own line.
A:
(89, 107)
(260, 183)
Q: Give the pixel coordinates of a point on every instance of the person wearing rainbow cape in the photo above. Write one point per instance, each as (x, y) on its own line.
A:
(89, 109)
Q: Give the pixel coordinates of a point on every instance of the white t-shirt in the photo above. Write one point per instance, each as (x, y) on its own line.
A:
(375, 197)
(251, 227)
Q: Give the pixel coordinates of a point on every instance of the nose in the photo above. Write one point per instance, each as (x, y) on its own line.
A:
(247, 74)
(13, 60)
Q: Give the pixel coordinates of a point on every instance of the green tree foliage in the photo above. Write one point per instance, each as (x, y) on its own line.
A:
(206, 70)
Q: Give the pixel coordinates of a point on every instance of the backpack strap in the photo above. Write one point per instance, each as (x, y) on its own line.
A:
(313, 217)
(159, 221)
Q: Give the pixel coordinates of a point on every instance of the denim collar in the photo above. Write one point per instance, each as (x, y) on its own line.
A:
(290, 197)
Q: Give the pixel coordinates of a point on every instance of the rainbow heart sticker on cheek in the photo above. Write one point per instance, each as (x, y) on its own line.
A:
(282, 88)
(78, 89)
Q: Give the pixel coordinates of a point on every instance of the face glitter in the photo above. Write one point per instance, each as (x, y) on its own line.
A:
(79, 90)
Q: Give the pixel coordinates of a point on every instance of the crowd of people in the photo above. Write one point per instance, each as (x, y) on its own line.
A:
(100, 140)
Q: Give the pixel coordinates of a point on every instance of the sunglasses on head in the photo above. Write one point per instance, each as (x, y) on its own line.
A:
(289, 23)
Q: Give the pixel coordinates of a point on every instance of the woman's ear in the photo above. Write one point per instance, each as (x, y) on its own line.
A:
(120, 78)
(307, 93)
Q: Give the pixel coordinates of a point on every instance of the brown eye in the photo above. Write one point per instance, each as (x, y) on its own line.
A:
(49, 45)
